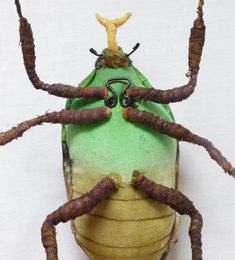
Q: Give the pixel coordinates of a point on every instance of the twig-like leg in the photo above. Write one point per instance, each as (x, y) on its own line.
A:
(178, 132)
(72, 210)
(196, 43)
(61, 90)
(81, 117)
(177, 201)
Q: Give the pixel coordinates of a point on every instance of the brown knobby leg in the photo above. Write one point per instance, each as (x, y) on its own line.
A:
(73, 209)
(196, 43)
(177, 201)
(178, 132)
(65, 91)
(80, 117)
(61, 90)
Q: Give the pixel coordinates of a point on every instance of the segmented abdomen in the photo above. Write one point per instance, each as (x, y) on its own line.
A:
(127, 225)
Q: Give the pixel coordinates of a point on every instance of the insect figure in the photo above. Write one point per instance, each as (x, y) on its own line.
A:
(120, 154)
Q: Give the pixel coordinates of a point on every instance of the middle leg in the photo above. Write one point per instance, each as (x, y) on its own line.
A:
(80, 117)
(178, 132)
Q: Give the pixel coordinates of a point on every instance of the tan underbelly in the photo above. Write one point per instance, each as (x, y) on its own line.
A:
(127, 225)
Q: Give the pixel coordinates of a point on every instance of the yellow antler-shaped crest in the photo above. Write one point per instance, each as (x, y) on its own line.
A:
(111, 28)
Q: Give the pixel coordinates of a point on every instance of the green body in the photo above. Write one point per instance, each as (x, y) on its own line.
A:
(128, 225)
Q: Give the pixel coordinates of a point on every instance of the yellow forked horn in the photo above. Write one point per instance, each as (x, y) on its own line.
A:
(111, 28)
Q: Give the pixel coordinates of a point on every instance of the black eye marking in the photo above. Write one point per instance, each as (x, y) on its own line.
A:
(124, 100)
(111, 101)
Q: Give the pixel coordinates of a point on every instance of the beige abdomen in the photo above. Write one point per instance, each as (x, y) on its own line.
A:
(127, 225)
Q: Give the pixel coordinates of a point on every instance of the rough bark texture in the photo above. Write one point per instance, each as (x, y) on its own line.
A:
(164, 96)
(65, 91)
(81, 117)
(72, 210)
(60, 90)
(178, 132)
(196, 43)
(177, 201)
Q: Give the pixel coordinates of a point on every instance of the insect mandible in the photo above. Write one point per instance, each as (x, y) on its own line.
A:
(125, 81)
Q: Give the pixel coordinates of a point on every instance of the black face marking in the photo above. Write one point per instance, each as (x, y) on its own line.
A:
(113, 100)
(124, 100)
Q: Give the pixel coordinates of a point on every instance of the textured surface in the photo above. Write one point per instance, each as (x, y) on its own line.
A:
(31, 167)
(73, 209)
(179, 202)
(117, 145)
(127, 225)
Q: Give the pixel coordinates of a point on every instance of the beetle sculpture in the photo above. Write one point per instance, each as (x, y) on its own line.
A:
(120, 209)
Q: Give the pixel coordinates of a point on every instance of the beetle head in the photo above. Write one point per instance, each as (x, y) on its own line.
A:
(113, 59)
(113, 56)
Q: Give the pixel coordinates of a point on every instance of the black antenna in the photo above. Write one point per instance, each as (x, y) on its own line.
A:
(94, 52)
(134, 49)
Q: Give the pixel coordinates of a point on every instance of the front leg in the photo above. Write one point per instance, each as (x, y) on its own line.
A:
(196, 43)
(80, 117)
(60, 90)
(178, 132)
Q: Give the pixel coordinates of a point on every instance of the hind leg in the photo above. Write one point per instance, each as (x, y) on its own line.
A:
(177, 201)
(72, 210)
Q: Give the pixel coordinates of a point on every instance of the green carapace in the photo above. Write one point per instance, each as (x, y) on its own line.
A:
(124, 225)
(120, 153)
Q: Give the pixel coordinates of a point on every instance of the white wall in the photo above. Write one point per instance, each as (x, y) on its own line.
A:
(31, 182)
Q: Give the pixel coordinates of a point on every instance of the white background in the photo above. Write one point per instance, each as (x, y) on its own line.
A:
(31, 182)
